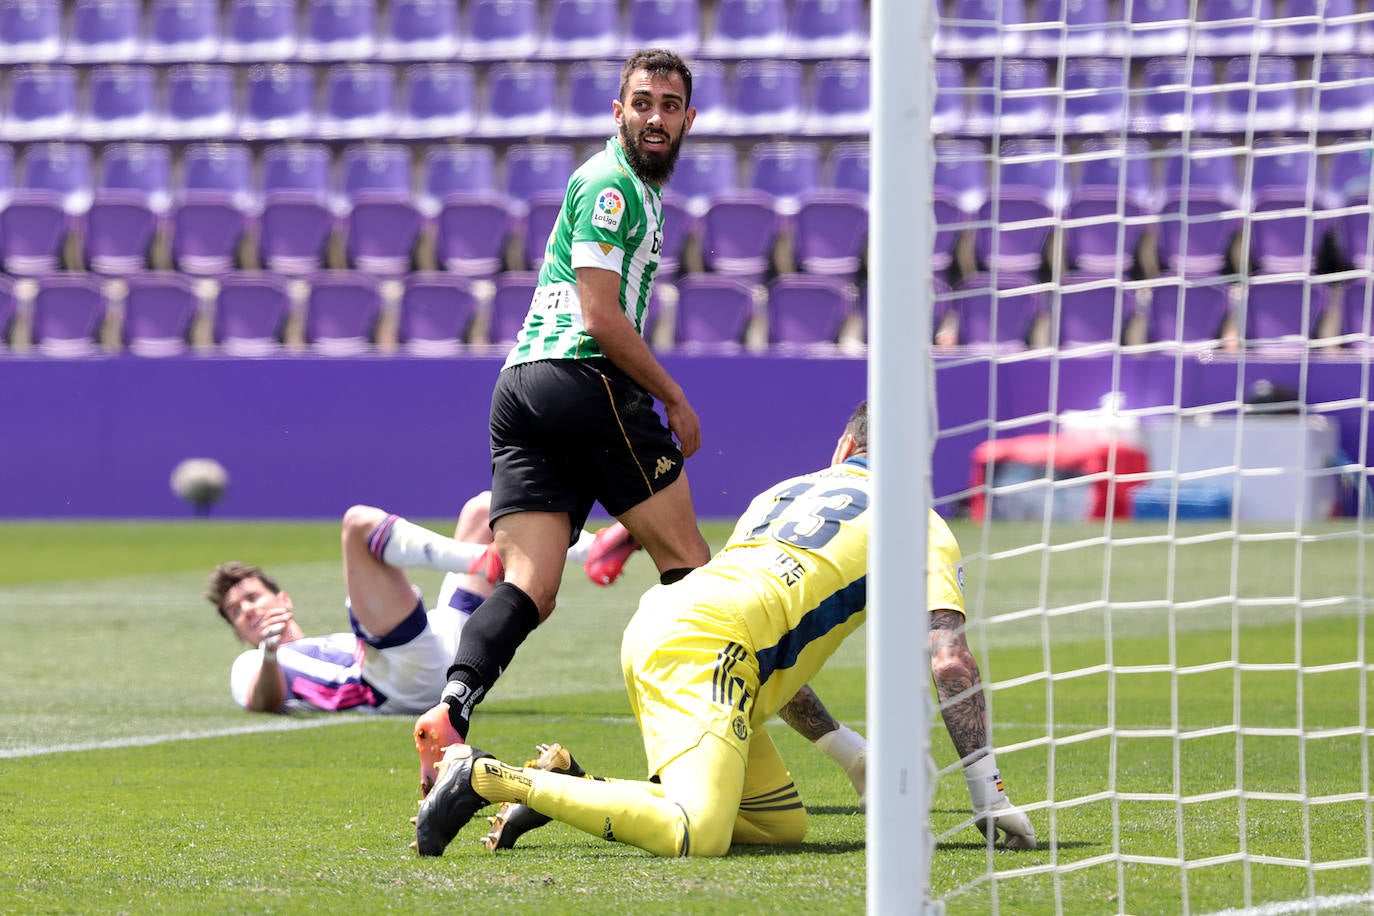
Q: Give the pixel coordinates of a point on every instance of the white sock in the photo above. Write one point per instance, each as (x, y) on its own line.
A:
(578, 553)
(984, 783)
(408, 546)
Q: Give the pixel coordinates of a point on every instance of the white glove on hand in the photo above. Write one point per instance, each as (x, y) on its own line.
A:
(1008, 820)
(271, 638)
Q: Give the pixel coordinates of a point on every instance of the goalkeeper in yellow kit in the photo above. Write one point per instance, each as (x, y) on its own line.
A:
(710, 659)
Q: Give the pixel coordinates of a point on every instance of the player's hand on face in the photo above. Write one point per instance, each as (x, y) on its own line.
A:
(273, 621)
(684, 423)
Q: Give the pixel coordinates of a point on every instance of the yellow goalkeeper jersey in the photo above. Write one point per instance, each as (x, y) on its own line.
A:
(795, 570)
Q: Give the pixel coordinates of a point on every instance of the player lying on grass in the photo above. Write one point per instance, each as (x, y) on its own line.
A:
(396, 657)
(710, 659)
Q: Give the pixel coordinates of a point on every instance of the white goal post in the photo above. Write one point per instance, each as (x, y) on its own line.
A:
(1144, 402)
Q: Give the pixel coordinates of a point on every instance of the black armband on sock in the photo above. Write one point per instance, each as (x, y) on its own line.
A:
(488, 643)
(669, 576)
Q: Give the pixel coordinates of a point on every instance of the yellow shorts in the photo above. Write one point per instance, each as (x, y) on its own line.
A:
(689, 671)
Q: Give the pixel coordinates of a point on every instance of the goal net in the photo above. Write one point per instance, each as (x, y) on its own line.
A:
(1151, 365)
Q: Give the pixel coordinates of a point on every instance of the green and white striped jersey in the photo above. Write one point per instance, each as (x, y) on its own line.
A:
(609, 219)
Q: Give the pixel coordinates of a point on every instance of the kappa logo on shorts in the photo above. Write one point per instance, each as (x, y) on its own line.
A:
(608, 209)
(664, 465)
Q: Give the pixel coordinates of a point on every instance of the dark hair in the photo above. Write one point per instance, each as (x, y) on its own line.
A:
(659, 62)
(227, 575)
(857, 427)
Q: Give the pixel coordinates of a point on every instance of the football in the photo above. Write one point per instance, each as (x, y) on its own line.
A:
(200, 482)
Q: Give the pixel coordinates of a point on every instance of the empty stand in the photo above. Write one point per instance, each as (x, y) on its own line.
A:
(419, 30)
(510, 301)
(713, 313)
(199, 103)
(181, 30)
(437, 311)
(1187, 314)
(438, 100)
(808, 311)
(341, 312)
(68, 311)
(251, 311)
(158, 310)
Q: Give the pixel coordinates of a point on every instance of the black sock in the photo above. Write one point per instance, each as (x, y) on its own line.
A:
(490, 637)
(669, 576)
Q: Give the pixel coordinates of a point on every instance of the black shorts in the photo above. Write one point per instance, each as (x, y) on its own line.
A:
(566, 433)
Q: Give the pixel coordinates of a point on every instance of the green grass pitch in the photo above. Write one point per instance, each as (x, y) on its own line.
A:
(129, 782)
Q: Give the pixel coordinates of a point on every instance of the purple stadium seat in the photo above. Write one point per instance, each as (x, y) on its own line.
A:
(419, 30)
(119, 227)
(539, 222)
(42, 103)
(1343, 98)
(786, 171)
(702, 170)
(1074, 28)
(68, 311)
(1286, 230)
(471, 230)
(960, 186)
(591, 86)
(30, 31)
(830, 232)
(158, 311)
(341, 312)
(104, 31)
(1108, 213)
(996, 316)
(580, 29)
(663, 23)
(182, 30)
(501, 30)
(1199, 215)
(1267, 102)
(1089, 313)
(33, 228)
(846, 167)
(839, 102)
(977, 28)
(382, 222)
(198, 103)
(296, 221)
(748, 29)
(438, 100)
(1011, 97)
(1095, 95)
(133, 192)
(738, 232)
(6, 172)
(1187, 314)
(1015, 221)
(1157, 27)
(210, 215)
(510, 302)
(522, 100)
(709, 85)
(62, 167)
(1232, 27)
(339, 30)
(436, 314)
(808, 311)
(1326, 26)
(679, 224)
(358, 102)
(259, 30)
(1281, 312)
(827, 28)
(279, 102)
(950, 97)
(120, 103)
(448, 168)
(713, 313)
(765, 97)
(251, 310)
(1175, 98)
(535, 167)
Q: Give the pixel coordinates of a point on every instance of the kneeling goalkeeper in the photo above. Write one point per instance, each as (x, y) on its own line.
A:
(709, 660)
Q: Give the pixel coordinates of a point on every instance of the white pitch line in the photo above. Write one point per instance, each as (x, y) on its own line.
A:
(1316, 904)
(286, 725)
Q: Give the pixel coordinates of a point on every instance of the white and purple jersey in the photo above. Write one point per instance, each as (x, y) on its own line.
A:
(402, 672)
